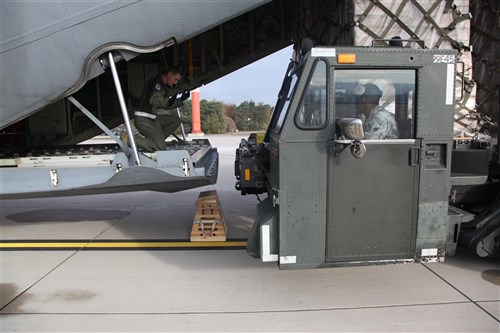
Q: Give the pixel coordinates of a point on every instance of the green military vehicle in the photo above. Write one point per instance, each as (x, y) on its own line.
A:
(335, 198)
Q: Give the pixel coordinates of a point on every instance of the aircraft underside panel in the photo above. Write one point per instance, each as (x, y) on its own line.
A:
(50, 47)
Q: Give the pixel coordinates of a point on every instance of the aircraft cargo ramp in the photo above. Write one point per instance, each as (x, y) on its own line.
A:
(104, 168)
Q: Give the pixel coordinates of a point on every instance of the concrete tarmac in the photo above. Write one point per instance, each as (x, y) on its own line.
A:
(186, 290)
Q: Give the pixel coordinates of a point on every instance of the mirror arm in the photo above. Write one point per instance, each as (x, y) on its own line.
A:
(339, 146)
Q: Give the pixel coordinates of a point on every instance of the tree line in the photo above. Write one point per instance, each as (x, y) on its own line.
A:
(218, 117)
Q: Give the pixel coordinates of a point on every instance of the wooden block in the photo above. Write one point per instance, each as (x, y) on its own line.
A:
(199, 234)
(208, 216)
(207, 197)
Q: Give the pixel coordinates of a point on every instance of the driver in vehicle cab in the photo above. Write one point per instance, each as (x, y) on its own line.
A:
(379, 123)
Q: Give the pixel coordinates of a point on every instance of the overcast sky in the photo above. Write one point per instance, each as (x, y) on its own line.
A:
(259, 82)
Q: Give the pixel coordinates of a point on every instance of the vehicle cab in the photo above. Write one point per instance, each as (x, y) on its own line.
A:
(336, 197)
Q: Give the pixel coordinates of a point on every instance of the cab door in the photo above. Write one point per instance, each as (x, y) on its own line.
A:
(373, 200)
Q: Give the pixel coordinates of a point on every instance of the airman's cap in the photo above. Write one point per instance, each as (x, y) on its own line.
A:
(368, 89)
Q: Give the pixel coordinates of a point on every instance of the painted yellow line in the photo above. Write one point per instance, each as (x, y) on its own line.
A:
(99, 245)
(46, 245)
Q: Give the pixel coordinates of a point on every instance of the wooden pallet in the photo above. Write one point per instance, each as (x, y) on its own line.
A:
(208, 224)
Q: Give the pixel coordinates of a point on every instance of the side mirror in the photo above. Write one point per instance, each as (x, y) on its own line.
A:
(352, 128)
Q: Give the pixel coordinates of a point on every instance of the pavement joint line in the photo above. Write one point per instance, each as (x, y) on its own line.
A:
(40, 279)
(242, 312)
(462, 293)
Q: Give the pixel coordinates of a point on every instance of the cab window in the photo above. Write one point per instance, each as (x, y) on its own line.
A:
(285, 96)
(312, 112)
(281, 113)
(383, 99)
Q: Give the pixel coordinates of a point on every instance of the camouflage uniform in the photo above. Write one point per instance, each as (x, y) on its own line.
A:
(380, 124)
(157, 117)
